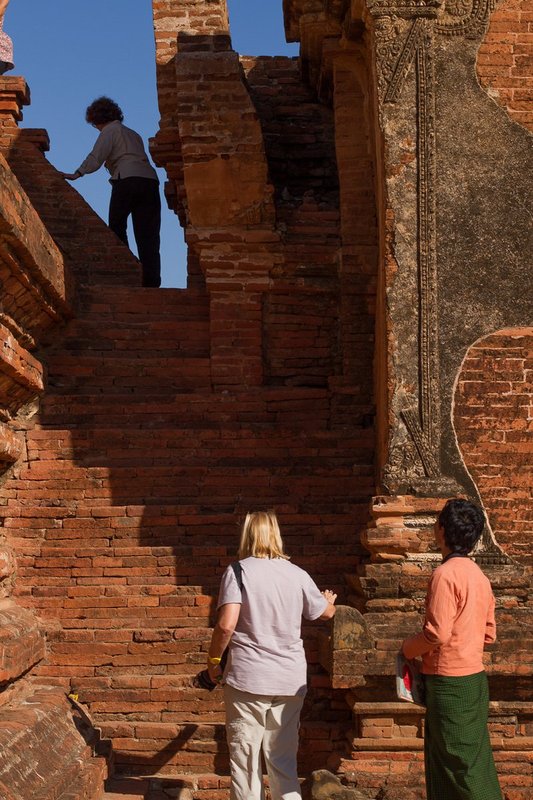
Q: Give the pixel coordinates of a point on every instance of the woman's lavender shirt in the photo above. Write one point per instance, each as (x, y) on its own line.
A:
(266, 650)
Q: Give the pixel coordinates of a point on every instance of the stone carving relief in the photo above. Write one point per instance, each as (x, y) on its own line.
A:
(464, 17)
(403, 8)
(458, 8)
(405, 56)
(404, 35)
(453, 16)
(390, 41)
(402, 46)
(404, 460)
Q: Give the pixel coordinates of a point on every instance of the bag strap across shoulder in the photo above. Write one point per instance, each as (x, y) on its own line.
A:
(237, 569)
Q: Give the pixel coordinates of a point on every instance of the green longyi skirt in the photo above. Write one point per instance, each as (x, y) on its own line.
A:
(458, 756)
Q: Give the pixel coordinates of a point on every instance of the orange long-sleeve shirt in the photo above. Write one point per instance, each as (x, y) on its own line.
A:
(459, 621)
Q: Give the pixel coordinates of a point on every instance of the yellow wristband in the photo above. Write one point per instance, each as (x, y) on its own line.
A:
(213, 661)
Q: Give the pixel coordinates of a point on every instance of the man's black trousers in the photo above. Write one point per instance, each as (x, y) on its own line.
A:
(140, 198)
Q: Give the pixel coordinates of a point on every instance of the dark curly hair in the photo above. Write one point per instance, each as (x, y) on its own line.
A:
(463, 524)
(103, 110)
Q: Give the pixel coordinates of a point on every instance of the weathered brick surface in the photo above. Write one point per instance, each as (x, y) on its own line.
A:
(127, 510)
(300, 321)
(184, 787)
(42, 754)
(493, 419)
(168, 414)
(35, 291)
(91, 252)
(24, 236)
(46, 750)
(21, 641)
(505, 59)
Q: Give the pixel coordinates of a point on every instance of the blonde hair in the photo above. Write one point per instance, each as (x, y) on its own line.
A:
(261, 537)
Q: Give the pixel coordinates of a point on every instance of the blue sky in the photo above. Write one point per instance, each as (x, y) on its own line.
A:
(71, 51)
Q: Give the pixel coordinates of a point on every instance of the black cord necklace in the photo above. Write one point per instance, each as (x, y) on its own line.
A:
(454, 555)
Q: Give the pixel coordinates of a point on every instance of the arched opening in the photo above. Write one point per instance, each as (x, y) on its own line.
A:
(71, 53)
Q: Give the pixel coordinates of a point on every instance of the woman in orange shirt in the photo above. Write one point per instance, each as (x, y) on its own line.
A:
(459, 621)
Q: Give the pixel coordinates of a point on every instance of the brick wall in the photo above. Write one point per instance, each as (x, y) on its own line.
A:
(127, 511)
(493, 420)
(299, 325)
(505, 59)
(358, 223)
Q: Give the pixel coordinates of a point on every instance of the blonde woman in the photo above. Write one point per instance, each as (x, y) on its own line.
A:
(6, 45)
(265, 679)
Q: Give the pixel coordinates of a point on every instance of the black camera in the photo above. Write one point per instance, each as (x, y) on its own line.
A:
(202, 679)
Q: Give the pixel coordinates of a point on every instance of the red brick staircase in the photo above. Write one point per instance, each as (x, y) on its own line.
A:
(126, 514)
(139, 468)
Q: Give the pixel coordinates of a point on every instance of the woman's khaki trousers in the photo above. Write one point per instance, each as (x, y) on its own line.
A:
(258, 723)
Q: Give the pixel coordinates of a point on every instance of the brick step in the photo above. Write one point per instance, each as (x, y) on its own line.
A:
(145, 480)
(280, 84)
(168, 784)
(275, 398)
(322, 451)
(178, 543)
(289, 102)
(127, 621)
(306, 409)
(214, 491)
(152, 702)
(173, 786)
(189, 339)
(130, 716)
(166, 619)
(191, 734)
(316, 515)
(111, 588)
(120, 304)
(117, 374)
(120, 685)
(312, 214)
(95, 254)
(179, 754)
(280, 70)
(135, 594)
(191, 747)
(187, 748)
(145, 336)
(256, 424)
(305, 235)
(186, 410)
(298, 116)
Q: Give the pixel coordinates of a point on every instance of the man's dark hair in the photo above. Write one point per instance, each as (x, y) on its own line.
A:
(103, 110)
(463, 524)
